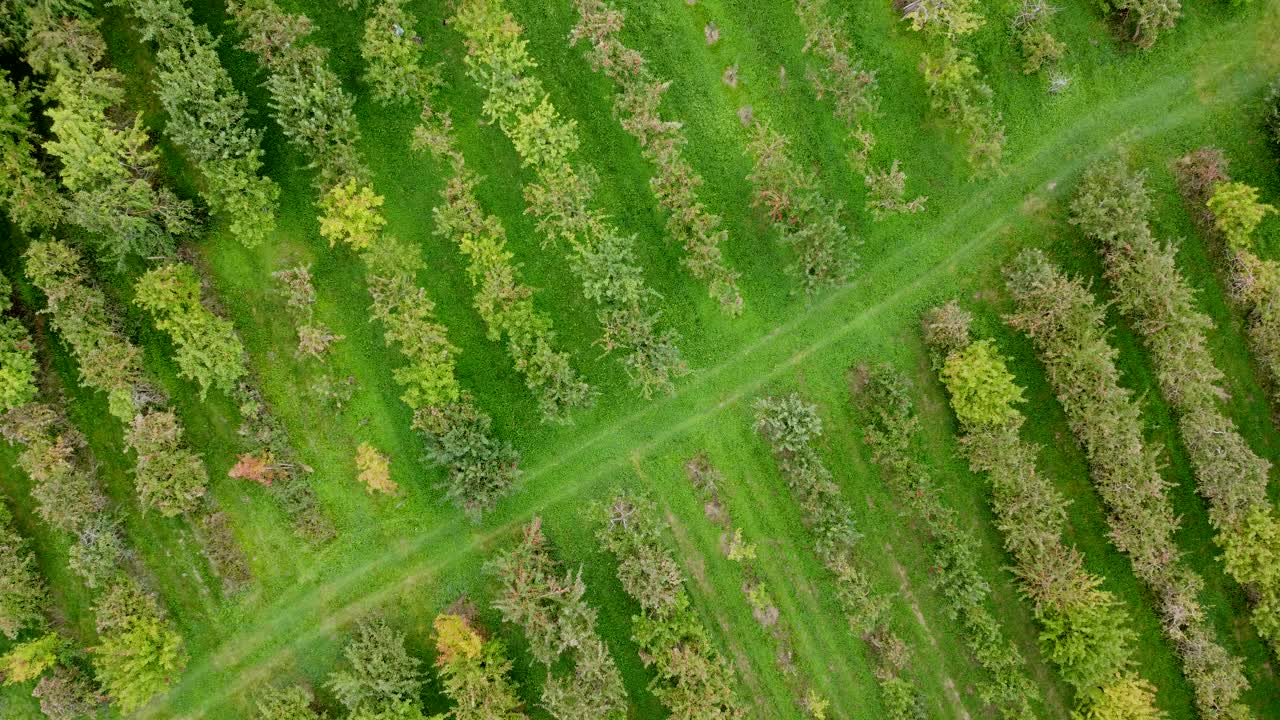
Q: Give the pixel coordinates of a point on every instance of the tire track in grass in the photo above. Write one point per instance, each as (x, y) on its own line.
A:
(285, 613)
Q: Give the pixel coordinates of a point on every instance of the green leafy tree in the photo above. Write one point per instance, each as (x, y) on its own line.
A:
(1031, 30)
(393, 51)
(208, 350)
(349, 212)
(139, 653)
(947, 19)
(22, 590)
(381, 671)
(1237, 213)
(287, 703)
(957, 91)
(474, 672)
(54, 456)
(208, 118)
(1127, 699)
(17, 362)
(98, 552)
(169, 476)
(982, 388)
(26, 191)
(108, 361)
(28, 661)
(1271, 113)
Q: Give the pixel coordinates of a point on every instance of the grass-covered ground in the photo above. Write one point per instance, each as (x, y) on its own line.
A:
(408, 556)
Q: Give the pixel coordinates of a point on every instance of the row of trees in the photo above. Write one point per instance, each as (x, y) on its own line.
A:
(138, 652)
(208, 350)
(675, 182)
(105, 156)
(561, 198)
(792, 426)
(1084, 629)
(207, 118)
(706, 479)
(1068, 330)
(1228, 213)
(1112, 207)
(954, 83)
(170, 477)
(892, 433)
(691, 677)
(804, 218)
(840, 75)
(546, 601)
(316, 115)
(505, 303)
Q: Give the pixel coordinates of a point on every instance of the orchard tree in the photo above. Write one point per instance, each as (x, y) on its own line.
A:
(1237, 213)
(351, 212)
(375, 469)
(546, 601)
(1031, 29)
(474, 672)
(956, 89)
(65, 693)
(208, 350)
(381, 672)
(139, 653)
(170, 477)
(1271, 113)
(55, 457)
(29, 194)
(287, 703)
(28, 660)
(393, 50)
(947, 19)
(17, 357)
(1144, 20)
(98, 552)
(982, 388)
(22, 590)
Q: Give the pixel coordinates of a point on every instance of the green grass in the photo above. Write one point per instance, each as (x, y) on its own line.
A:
(407, 557)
